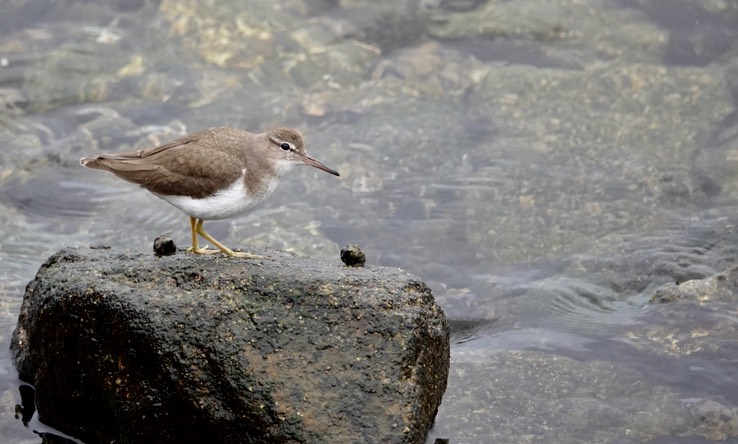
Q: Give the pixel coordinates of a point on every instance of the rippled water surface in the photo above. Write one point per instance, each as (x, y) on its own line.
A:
(546, 166)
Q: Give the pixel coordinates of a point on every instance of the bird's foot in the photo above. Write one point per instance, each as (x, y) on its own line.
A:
(228, 252)
(204, 250)
(245, 255)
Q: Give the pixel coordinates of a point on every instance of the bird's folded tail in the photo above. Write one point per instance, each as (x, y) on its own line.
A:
(123, 167)
(91, 162)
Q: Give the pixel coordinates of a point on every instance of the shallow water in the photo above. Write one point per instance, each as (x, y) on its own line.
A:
(544, 165)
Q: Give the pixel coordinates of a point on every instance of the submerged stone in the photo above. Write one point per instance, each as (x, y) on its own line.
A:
(128, 347)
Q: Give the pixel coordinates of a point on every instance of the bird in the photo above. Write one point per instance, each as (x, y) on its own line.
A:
(212, 174)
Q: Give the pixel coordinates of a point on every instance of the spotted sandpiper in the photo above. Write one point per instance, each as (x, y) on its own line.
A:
(212, 174)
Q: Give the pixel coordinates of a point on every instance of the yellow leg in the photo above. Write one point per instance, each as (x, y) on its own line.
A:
(196, 225)
(195, 248)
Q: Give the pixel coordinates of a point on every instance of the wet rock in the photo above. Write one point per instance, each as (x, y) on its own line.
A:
(128, 347)
(719, 287)
(715, 421)
(534, 30)
(689, 320)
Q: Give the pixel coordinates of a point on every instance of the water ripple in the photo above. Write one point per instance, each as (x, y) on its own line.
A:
(573, 305)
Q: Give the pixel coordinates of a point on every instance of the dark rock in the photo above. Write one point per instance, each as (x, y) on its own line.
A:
(131, 348)
(164, 246)
(352, 256)
(718, 287)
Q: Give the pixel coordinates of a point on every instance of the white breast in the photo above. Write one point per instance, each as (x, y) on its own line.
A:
(228, 202)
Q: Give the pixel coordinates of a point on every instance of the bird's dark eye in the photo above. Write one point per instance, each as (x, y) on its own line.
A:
(285, 146)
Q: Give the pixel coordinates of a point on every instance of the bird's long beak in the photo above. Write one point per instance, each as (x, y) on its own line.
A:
(313, 162)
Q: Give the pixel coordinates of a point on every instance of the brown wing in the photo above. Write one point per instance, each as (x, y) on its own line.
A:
(196, 165)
